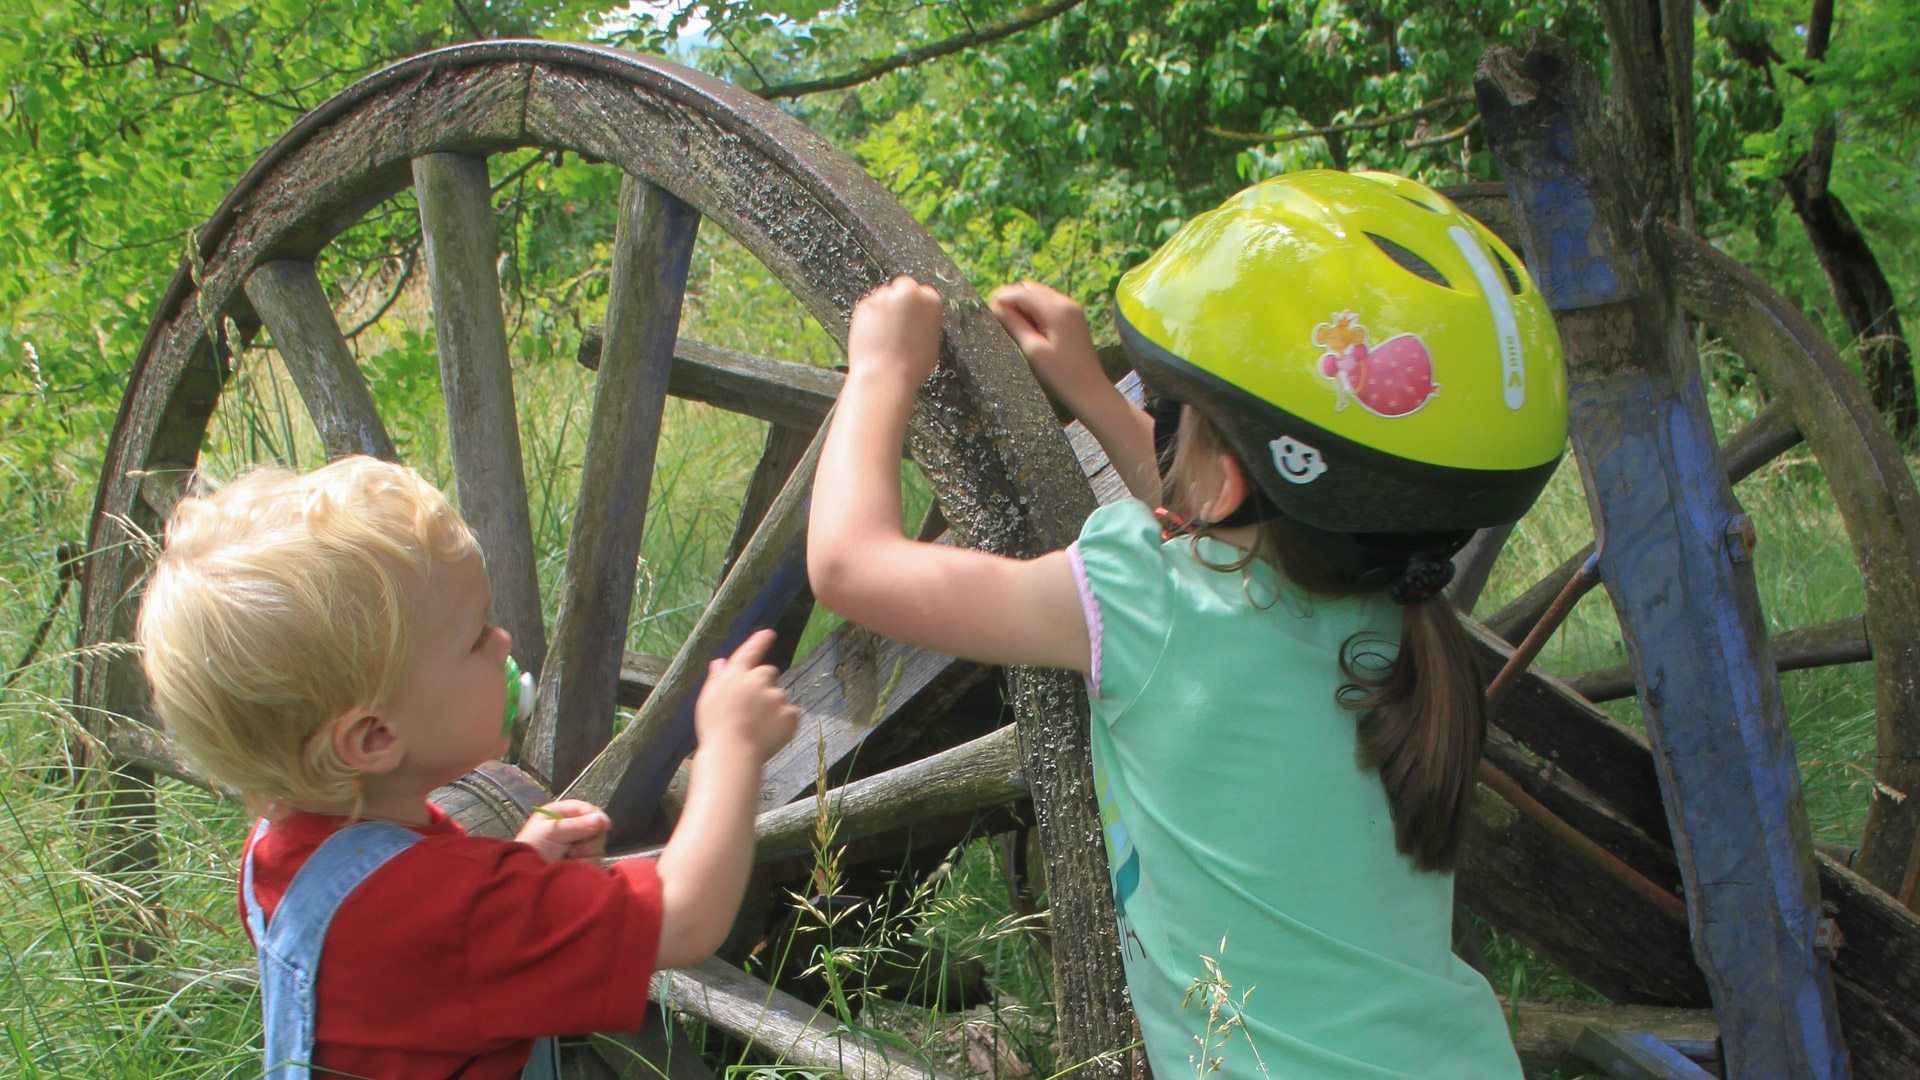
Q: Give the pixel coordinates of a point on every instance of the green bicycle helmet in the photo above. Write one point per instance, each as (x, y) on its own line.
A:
(1379, 358)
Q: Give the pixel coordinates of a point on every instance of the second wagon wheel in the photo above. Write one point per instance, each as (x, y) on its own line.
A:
(691, 148)
(1820, 402)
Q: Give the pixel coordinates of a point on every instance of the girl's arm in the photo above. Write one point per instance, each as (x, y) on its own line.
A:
(952, 600)
(1052, 330)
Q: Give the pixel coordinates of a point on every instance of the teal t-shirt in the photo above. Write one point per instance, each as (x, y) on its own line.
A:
(1239, 828)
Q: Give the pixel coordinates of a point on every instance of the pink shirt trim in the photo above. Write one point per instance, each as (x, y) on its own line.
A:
(1090, 609)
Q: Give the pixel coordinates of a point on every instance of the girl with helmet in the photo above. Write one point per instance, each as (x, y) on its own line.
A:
(1352, 376)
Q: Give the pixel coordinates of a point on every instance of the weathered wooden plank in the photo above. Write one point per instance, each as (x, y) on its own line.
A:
(639, 674)
(288, 296)
(1689, 610)
(974, 776)
(631, 774)
(1649, 853)
(1635, 1055)
(579, 685)
(1516, 875)
(1876, 971)
(456, 222)
(1842, 641)
(780, 1028)
(846, 688)
(1545, 1031)
(780, 392)
(1550, 720)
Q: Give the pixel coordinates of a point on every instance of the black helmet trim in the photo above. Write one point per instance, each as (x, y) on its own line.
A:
(1332, 482)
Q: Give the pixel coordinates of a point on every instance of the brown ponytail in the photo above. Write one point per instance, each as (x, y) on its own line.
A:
(1423, 716)
(1423, 721)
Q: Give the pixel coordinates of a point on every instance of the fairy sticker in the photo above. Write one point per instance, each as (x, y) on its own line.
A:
(1395, 378)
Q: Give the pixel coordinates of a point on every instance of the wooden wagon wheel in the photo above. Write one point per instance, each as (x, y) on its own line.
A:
(1818, 401)
(690, 147)
(693, 147)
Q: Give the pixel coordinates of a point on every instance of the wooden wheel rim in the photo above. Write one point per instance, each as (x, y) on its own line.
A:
(1004, 474)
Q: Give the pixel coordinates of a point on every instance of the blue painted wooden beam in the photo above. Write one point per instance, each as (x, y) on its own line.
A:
(1635, 1055)
(1674, 553)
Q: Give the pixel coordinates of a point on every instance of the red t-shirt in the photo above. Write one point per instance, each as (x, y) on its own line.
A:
(453, 957)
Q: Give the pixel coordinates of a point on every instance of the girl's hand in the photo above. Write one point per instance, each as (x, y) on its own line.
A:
(567, 829)
(1052, 330)
(896, 329)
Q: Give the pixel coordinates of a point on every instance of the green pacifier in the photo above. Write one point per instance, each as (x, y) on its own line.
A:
(519, 697)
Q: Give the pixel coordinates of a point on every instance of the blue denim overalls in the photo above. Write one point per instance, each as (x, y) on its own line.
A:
(290, 946)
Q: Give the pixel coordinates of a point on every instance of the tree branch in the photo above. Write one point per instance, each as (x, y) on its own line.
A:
(399, 286)
(1340, 129)
(873, 69)
(1442, 139)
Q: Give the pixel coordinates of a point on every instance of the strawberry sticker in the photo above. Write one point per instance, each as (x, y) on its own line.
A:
(1394, 378)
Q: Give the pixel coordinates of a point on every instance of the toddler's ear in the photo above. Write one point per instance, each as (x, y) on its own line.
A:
(365, 743)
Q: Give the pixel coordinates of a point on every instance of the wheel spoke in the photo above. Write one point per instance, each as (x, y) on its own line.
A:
(782, 393)
(1474, 563)
(1768, 435)
(1765, 437)
(653, 244)
(629, 776)
(288, 297)
(456, 220)
(785, 447)
(1842, 641)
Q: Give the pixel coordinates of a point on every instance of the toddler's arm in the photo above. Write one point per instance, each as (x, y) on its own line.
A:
(741, 719)
(952, 600)
(1052, 330)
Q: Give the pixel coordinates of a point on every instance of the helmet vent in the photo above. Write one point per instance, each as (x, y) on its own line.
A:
(1418, 203)
(1513, 279)
(1409, 261)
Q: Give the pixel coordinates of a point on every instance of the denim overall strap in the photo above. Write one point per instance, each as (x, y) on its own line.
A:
(290, 944)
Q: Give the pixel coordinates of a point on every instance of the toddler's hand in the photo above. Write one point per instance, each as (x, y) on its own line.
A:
(567, 829)
(742, 702)
(896, 326)
(1052, 330)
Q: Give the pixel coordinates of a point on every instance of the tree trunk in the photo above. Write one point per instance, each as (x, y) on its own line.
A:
(1859, 286)
(1865, 297)
(1652, 98)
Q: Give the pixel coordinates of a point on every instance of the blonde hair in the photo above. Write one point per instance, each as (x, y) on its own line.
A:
(279, 604)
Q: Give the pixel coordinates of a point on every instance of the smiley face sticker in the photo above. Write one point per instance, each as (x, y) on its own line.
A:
(1296, 462)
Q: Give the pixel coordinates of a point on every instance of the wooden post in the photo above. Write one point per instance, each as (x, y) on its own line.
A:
(1674, 553)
